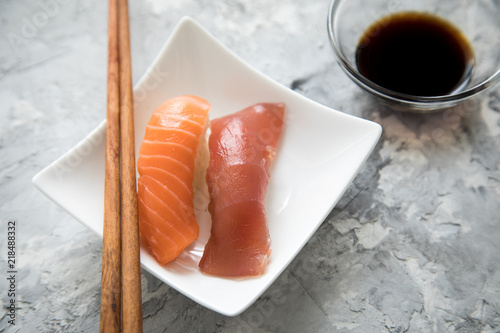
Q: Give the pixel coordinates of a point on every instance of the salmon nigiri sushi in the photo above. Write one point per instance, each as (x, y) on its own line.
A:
(166, 171)
(242, 147)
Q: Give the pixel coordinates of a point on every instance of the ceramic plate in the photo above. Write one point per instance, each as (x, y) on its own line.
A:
(320, 152)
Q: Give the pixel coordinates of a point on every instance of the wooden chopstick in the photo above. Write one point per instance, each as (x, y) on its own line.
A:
(131, 269)
(111, 243)
(120, 188)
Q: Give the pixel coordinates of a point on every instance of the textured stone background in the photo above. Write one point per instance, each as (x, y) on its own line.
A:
(412, 246)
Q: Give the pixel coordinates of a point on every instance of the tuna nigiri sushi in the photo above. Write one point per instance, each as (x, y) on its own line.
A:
(166, 168)
(242, 147)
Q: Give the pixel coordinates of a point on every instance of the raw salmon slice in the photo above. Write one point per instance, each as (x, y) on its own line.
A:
(166, 167)
(242, 147)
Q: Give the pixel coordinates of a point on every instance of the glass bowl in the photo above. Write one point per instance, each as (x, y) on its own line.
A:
(478, 21)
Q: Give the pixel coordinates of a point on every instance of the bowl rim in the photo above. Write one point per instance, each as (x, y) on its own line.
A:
(390, 94)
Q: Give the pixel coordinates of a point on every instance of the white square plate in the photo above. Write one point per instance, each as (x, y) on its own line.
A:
(320, 152)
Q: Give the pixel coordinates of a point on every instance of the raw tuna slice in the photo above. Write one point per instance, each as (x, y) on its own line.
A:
(242, 147)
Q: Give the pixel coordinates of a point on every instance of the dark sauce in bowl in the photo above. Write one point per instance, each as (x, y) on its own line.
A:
(415, 53)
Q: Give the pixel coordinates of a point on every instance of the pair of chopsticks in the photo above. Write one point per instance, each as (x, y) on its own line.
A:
(121, 299)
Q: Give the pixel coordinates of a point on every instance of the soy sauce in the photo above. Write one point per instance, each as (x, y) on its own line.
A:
(415, 53)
